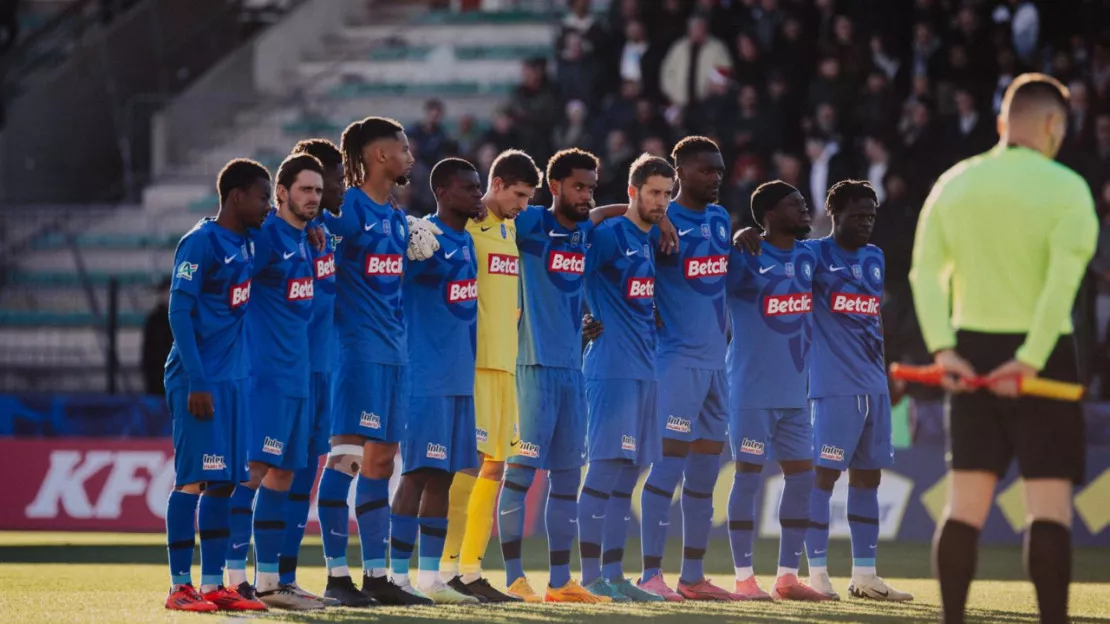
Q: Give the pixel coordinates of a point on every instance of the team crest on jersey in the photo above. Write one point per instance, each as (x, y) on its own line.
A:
(647, 251)
(705, 230)
(876, 274)
(857, 271)
(806, 270)
(722, 233)
(576, 238)
(244, 250)
(386, 228)
(185, 270)
(466, 253)
(252, 248)
(789, 269)
(504, 231)
(304, 254)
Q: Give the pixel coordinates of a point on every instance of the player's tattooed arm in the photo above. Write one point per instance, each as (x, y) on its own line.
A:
(748, 239)
(591, 327)
(668, 235)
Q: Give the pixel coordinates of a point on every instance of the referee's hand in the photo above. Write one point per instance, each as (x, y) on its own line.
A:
(1005, 380)
(960, 373)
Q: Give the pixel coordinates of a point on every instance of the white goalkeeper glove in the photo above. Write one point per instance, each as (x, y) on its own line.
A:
(422, 238)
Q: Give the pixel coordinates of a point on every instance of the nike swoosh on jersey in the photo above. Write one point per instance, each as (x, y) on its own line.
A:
(288, 255)
(554, 234)
(486, 228)
(509, 511)
(369, 227)
(685, 232)
(834, 269)
(228, 259)
(763, 270)
(631, 252)
(450, 253)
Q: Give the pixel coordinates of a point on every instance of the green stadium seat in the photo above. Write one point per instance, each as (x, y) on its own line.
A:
(484, 17)
(502, 52)
(72, 278)
(47, 318)
(400, 53)
(356, 90)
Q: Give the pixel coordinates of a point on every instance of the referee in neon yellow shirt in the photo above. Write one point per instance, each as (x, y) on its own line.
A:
(1002, 243)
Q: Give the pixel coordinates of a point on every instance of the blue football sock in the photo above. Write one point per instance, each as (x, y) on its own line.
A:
(817, 535)
(331, 505)
(181, 513)
(697, 512)
(601, 479)
(433, 532)
(741, 516)
(296, 517)
(242, 514)
(269, 529)
(562, 522)
(212, 524)
(617, 515)
(863, 523)
(402, 542)
(510, 518)
(794, 517)
(655, 505)
(372, 516)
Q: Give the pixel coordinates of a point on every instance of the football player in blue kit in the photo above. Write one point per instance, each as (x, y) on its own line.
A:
(693, 389)
(371, 382)
(320, 353)
(207, 390)
(441, 304)
(770, 301)
(849, 401)
(623, 434)
(277, 331)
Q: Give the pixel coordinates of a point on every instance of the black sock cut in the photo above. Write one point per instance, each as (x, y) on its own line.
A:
(955, 555)
(1048, 563)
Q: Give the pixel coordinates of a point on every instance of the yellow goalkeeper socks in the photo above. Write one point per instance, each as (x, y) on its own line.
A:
(483, 504)
(456, 524)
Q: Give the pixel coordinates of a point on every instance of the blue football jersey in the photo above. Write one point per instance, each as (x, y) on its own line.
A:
(770, 303)
(321, 339)
(847, 353)
(691, 297)
(441, 303)
(283, 288)
(554, 265)
(213, 266)
(620, 291)
(369, 313)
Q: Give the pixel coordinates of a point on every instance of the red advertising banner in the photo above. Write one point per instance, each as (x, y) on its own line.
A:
(105, 484)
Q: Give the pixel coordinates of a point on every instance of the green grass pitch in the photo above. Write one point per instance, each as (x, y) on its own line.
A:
(120, 578)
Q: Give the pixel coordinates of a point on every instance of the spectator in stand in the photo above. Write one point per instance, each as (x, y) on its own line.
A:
(849, 51)
(1080, 123)
(877, 109)
(632, 53)
(655, 146)
(768, 20)
(484, 157)
(430, 134)
(788, 168)
(157, 341)
(535, 107)
(921, 143)
(620, 110)
(503, 134)
(926, 59)
(793, 57)
(827, 166)
(750, 68)
(1025, 24)
(468, 135)
(577, 71)
(883, 61)
(1100, 70)
(574, 133)
(690, 62)
(968, 132)
(877, 165)
(829, 86)
(1100, 269)
(580, 24)
(613, 182)
(649, 122)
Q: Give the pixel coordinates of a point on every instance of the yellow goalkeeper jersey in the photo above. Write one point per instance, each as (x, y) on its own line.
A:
(498, 281)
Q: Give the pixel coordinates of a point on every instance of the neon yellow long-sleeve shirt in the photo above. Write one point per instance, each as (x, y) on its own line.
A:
(1002, 243)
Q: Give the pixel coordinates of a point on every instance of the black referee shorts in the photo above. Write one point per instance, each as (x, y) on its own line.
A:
(986, 432)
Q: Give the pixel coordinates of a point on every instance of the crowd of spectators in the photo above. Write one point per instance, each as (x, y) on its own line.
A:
(812, 92)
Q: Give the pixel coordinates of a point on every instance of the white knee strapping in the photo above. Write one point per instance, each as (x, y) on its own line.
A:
(340, 450)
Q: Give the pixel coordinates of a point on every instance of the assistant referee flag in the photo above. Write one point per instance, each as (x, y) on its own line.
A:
(1002, 243)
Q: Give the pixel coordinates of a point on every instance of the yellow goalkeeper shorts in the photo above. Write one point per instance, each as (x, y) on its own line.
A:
(495, 412)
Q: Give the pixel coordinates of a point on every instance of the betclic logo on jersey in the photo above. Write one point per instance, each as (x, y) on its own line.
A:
(325, 266)
(793, 303)
(855, 303)
(384, 264)
(641, 288)
(709, 266)
(566, 262)
(462, 291)
(299, 289)
(502, 264)
(239, 294)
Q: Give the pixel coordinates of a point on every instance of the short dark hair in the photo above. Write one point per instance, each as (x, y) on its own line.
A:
(239, 173)
(324, 150)
(692, 146)
(768, 195)
(647, 166)
(1033, 87)
(564, 162)
(846, 191)
(357, 136)
(445, 170)
(293, 165)
(515, 167)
